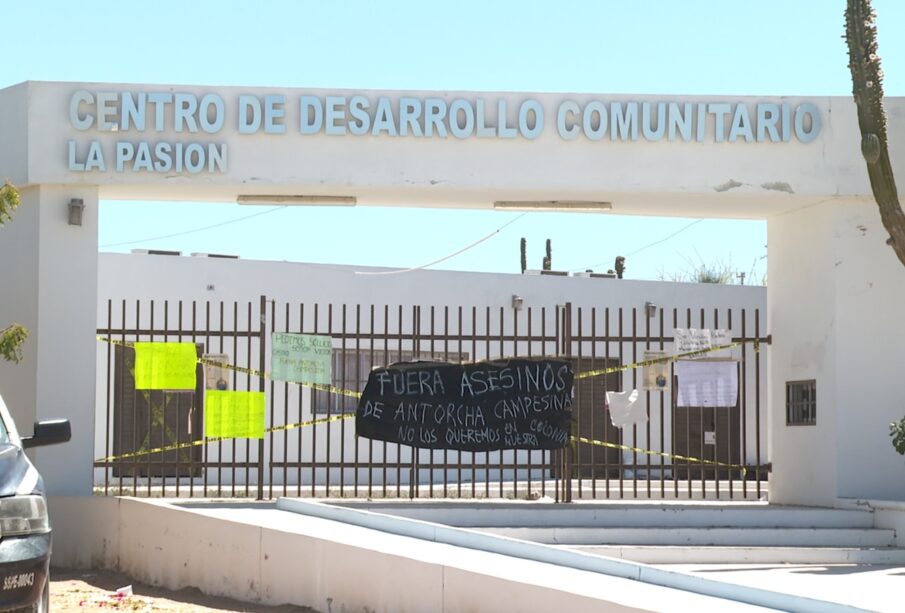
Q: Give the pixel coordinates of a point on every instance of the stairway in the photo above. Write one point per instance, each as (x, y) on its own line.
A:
(725, 535)
(657, 533)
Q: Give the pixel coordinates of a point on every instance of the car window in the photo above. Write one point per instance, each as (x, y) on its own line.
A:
(4, 436)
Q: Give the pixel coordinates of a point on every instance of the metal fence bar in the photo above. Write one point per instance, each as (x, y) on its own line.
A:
(207, 343)
(555, 454)
(150, 411)
(474, 353)
(662, 419)
(315, 401)
(357, 378)
(108, 408)
(621, 354)
(262, 364)
(197, 409)
(595, 402)
(486, 355)
(343, 377)
(634, 387)
(501, 355)
(607, 379)
(578, 401)
(569, 450)
(714, 422)
(757, 400)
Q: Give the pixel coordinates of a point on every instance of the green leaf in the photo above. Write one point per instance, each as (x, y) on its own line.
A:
(9, 201)
(11, 340)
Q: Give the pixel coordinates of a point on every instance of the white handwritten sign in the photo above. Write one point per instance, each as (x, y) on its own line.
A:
(301, 358)
(520, 403)
(705, 383)
(688, 340)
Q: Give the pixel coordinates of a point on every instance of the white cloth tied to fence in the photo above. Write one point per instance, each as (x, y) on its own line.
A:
(625, 409)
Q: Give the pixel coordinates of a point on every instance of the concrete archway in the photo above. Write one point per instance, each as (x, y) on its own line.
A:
(795, 162)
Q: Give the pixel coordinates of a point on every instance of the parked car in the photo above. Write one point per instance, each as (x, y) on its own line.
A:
(25, 540)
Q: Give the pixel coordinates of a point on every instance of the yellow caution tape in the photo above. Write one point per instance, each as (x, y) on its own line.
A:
(332, 418)
(354, 394)
(662, 454)
(251, 371)
(668, 358)
(207, 440)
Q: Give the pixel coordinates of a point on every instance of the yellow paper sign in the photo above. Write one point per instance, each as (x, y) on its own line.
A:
(165, 366)
(233, 414)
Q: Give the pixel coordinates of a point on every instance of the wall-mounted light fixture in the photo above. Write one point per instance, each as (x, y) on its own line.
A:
(517, 302)
(650, 308)
(298, 199)
(564, 206)
(76, 207)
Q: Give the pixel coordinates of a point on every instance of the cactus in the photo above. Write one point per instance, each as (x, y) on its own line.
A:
(524, 255)
(867, 89)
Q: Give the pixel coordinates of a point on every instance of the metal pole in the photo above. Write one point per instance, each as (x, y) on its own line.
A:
(262, 339)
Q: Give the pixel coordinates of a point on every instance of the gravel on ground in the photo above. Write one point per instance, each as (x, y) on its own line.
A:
(96, 590)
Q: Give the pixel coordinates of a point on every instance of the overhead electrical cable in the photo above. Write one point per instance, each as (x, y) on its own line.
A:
(443, 259)
(640, 249)
(216, 225)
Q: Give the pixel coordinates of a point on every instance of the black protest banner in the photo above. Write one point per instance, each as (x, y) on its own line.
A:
(484, 406)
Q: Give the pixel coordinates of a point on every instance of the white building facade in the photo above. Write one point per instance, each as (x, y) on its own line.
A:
(834, 285)
(377, 319)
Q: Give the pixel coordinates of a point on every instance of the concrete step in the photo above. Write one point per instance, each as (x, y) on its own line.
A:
(755, 537)
(639, 515)
(746, 555)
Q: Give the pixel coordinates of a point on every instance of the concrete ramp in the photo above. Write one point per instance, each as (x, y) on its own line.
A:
(562, 558)
(265, 553)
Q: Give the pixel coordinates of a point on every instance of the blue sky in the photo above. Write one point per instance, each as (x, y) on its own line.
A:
(720, 47)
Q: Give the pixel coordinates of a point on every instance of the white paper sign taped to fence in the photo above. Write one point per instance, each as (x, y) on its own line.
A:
(655, 377)
(301, 358)
(216, 377)
(688, 340)
(704, 383)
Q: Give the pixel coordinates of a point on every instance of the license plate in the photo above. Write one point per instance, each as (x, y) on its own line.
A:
(14, 582)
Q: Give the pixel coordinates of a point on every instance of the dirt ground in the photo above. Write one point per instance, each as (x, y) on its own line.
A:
(97, 591)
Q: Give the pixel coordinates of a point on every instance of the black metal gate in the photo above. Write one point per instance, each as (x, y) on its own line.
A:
(152, 443)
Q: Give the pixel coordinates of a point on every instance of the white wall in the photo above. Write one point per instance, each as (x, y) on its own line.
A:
(870, 294)
(141, 276)
(19, 303)
(172, 279)
(274, 557)
(14, 134)
(49, 280)
(801, 297)
(836, 292)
